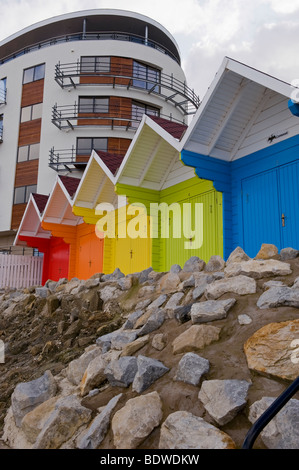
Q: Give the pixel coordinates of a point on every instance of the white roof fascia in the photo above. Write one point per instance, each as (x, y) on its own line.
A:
(162, 133)
(231, 65)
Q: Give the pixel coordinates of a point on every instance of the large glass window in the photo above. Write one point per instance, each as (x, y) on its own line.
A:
(95, 64)
(92, 104)
(34, 73)
(139, 109)
(22, 194)
(145, 76)
(3, 90)
(29, 113)
(28, 152)
(85, 145)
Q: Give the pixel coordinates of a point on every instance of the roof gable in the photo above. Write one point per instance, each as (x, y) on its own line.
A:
(242, 109)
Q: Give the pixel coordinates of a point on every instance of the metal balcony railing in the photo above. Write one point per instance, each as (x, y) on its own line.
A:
(109, 116)
(68, 159)
(74, 158)
(91, 36)
(166, 86)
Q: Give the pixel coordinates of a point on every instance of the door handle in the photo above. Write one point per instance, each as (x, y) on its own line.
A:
(283, 217)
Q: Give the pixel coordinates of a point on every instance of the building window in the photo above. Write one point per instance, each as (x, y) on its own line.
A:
(95, 64)
(3, 90)
(34, 73)
(145, 76)
(93, 104)
(139, 109)
(85, 145)
(22, 194)
(29, 113)
(28, 152)
(1, 127)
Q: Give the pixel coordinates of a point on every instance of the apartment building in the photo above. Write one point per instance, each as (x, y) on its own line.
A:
(76, 83)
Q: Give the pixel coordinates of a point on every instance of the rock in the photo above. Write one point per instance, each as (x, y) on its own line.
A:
(125, 283)
(131, 348)
(198, 292)
(132, 318)
(158, 302)
(169, 282)
(159, 341)
(270, 350)
(258, 268)
(279, 296)
(223, 399)
(116, 339)
(267, 251)
(117, 274)
(42, 292)
(119, 340)
(194, 264)
(153, 323)
(136, 420)
(182, 313)
(210, 310)
(34, 421)
(77, 367)
(244, 319)
(148, 371)
(146, 290)
(195, 338)
(189, 282)
(174, 300)
(183, 430)
(288, 253)
(283, 431)
(144, 275)
(121, 372)
(175, 268)
(62, 423)
(191, 368)
(240, 285)
(28, 395)
(94, 374)
(237, 256)
(109, 293)
(216, 263)
(92, 282)
(269, 284)
(96, 432)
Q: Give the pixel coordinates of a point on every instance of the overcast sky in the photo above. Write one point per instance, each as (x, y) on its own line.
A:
(261, 33)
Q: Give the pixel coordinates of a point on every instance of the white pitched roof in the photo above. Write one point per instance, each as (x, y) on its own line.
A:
(59, 206)
(30, 225)
(231, 107)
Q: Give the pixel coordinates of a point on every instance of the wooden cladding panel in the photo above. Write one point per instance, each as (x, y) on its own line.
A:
(118, 66)
(32, 93)
(29, 132)
(26, 173)
(119, 146)
(17, 214)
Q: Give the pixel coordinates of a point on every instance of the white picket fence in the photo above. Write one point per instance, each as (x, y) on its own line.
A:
(20, 271)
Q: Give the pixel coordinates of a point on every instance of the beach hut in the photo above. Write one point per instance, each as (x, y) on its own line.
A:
(30, 233)
(85, 247)
(244, 139)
